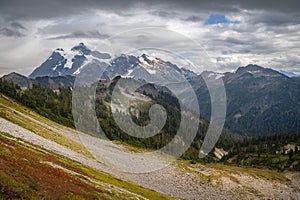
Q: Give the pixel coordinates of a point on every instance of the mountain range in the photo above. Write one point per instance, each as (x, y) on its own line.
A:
(259, 100)
(72, 62)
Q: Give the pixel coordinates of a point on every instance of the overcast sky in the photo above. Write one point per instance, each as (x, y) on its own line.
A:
(213, 35)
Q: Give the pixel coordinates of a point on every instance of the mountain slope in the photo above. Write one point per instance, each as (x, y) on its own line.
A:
(28, 170)
(39, 164)
(31, 172)
(169, 180)
(259, 100)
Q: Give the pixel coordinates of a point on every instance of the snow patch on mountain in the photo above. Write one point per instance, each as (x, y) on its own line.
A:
(215, 75)
(253, 72)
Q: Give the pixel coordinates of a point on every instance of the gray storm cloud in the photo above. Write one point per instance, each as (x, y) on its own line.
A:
(267, 32)
(54, 8)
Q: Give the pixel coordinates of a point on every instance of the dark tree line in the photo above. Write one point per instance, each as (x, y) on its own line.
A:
(55, 105)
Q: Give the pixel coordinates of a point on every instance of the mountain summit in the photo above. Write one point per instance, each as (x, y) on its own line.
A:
(63, 63)
(258, 71)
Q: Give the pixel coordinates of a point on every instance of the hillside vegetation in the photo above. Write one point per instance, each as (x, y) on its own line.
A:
(30, 172)
(23, 173)
(271, 151)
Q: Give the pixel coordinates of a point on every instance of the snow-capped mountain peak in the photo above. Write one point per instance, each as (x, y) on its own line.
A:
(62, 62)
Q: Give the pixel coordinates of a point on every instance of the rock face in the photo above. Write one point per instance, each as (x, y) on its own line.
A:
(219, 153)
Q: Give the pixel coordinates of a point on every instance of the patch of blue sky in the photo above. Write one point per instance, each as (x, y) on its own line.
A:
(219, 19)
